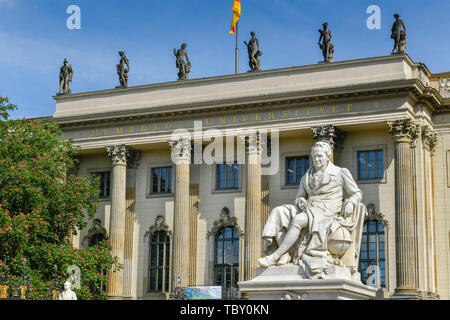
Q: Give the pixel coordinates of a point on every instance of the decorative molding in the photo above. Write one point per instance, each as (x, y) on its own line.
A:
(159, 225)
(373, 215)
(404, 131)
(181, 148)
(224, 222)
(330, 134)
(118, 154)
(444, 87)
(96, 230)
(429, 138)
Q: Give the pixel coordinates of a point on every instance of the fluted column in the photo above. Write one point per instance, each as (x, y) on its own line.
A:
(404, 132)
(133, 158)
(265, 203)
(193, 224)
(253, 206)
(181, 155)
(429, 139)
(117, 222)
(331, 135)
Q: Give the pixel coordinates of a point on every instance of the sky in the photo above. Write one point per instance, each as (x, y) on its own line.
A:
(34, 40)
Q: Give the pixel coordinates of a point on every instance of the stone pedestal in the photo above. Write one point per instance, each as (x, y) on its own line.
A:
(290, 283)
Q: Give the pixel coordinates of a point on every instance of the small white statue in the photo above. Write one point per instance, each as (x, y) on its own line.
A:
(67, 294)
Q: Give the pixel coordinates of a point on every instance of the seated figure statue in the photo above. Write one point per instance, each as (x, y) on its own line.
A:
(320, 229)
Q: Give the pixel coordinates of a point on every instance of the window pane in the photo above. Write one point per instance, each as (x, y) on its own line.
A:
(154, 255)
(153, 280)
(166, 279)
(306, 167)
(163, 180)
(298, 172)
(371, 165)
(235, 276)
(220, 176)
(380, 164)
(228, 233)
(228, 174)
(290, 171)
(236, 176)
(362, 165)
(372, 226)
(160, 279)
(169, 180)
(219, 276)
(155, 176)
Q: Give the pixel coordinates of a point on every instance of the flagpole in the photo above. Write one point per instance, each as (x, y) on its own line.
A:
(237, 49)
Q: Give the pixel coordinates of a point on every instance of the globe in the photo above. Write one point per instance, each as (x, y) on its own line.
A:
(339, 242)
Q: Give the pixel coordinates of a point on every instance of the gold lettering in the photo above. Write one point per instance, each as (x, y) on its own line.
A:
(334, 109)
(258, 117)
(207, 122)
(234, 119)
(284, 115)
(223, 120)
(348, 107)
(168, 125)
(144, 128)
(95, 133)
(181, 124)
(119, 130)
(308, 111)
(155, 127)
(321, 111)
(245, 117)
(131, 130)
(296, 113)
(271, 116)
(106, 132)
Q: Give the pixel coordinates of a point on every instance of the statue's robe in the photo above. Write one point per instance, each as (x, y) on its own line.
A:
(323, 208)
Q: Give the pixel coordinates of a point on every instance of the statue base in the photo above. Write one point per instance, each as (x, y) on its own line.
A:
(289, 282)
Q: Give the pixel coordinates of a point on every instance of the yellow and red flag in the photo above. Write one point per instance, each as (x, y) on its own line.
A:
(236, 15)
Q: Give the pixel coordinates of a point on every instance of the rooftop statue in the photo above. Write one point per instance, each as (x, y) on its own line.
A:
(184, 67)
(326, 46)
(399, 35)
(122, 69)
(320, 228)
(253, 53)
(65, 78)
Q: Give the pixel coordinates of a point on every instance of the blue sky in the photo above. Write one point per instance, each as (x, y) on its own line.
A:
(34, 39)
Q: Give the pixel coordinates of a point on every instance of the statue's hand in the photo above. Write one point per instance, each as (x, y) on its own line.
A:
(348, 209)
(301, 203)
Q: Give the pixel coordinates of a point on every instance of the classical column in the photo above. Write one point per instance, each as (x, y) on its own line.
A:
(133, 158)
(181, 155)
(265, 204)
(429, 139)
(253, 206)
(330, 134)
(117, 222)
(404, 133)
(193, 223)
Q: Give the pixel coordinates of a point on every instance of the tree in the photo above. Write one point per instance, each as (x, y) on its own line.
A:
(42, 204)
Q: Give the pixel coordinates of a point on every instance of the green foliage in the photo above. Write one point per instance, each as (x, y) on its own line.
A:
(42, 205)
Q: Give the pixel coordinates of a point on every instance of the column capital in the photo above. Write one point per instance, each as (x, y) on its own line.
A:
(181, 149)
(253, 142)
(404, 131)
(329, 134)
(133, 157)
(118, 154)
(429, 138)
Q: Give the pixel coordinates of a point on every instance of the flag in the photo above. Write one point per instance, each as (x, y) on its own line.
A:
(236, 15)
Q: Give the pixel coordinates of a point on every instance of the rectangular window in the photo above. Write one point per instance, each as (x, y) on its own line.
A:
(161, 180)
(227, 176)
(370, 165)
(296, 167)
(105, 184)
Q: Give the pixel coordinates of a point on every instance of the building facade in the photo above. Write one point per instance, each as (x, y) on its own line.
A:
(174, 222)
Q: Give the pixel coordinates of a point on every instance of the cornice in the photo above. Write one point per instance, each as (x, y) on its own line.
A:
(412, 87)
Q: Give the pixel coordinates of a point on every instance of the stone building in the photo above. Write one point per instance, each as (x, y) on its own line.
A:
(180, 224)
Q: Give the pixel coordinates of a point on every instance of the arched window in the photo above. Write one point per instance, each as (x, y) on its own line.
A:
(226, 257)
(373, 246)
(158, 267)
(158, 256)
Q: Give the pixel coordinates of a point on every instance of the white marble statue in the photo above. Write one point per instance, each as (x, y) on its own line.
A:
(320, 229)
(67, 294)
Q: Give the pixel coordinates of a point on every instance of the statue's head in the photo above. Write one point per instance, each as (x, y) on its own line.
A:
(321, 154)
(225, 215)
(396, 16)
(253, 33)
(67, 285)
(184, 45)
(325, 25)
(65, 61)
(121, 53)
(97, 222)
(159, 220)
